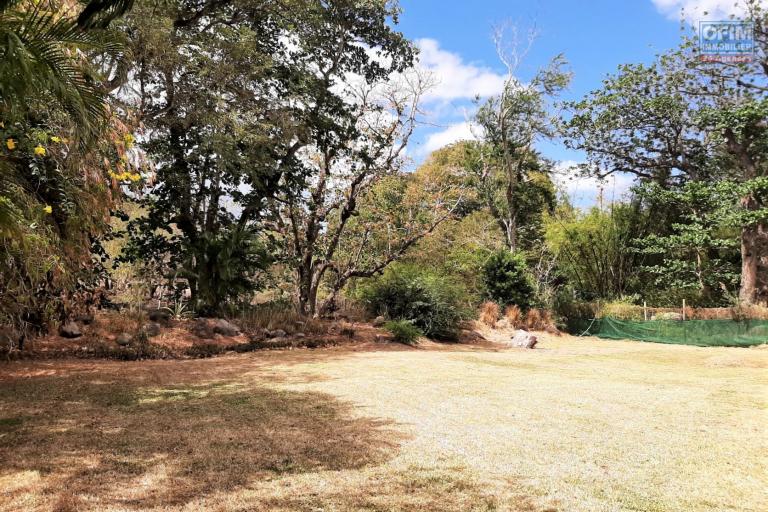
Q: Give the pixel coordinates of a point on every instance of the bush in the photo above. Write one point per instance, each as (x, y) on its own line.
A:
(508, 281)
(489, 313)
(403, 331)
(430, 301)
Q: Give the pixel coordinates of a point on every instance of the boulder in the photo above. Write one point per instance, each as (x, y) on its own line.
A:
(70, 330)
(523, 339)
(123, 339)
(151, 329)
(379, 321)
(202, 329)
(225, 328)
(160, 316)
(277, 333)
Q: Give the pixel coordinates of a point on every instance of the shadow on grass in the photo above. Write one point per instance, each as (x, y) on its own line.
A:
(120, 443)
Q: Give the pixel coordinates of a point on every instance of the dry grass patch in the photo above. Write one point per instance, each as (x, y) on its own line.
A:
(489, 313)
(576, 425)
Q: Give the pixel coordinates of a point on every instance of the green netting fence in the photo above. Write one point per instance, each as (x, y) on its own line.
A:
(701, 333)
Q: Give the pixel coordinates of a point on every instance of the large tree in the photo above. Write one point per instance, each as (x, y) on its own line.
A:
(508, 171)
(684, 119)
(361, 211)
(233, 93)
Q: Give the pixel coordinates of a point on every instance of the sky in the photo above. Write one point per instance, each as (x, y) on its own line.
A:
(595, 36)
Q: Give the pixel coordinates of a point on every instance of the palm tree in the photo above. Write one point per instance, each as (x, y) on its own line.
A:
(42, 58)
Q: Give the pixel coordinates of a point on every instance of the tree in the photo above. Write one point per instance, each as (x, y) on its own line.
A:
(508, 280)
(236, 105)
(510, 124)
(362, 212)
(595, 251)
(698, 254)
(59, 144)
(683, 119)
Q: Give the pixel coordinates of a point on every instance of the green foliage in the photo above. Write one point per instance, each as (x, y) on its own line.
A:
(698, 258)
(594, 250)
(258, 100)
(432, 302)
(508, 280)
(56, 143)
(509, 176)
(403, 331)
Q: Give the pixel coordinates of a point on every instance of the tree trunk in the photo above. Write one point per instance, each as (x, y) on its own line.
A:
(749, 262)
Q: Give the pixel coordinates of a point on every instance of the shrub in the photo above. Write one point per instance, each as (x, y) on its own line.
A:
(403, 331)
(514, 316)
(203, 350)
(508, 281)
(430, 301)
(489, 313)
(540, 320)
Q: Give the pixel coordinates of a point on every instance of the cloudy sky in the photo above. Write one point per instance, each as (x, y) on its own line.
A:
(596, 36)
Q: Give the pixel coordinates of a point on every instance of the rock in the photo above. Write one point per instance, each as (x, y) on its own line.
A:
(151, 329)
(379, 321)
(299, 335)
(523, 339)
(160, 316)
(70, 330)
(202, 329)
(277, 333)
(225, 328)
(123, 339)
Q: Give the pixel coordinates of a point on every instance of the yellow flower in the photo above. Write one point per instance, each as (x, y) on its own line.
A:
(128, 138)
(11, 144)
(39, 150)
(56, 139)
(134, 177)
(48, 209)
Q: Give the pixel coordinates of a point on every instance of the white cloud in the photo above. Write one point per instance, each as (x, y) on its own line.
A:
(585, 191)
(694, 10)
(453, 133)
(455, 78)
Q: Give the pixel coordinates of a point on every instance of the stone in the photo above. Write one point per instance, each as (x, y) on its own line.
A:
(160, 315)
(225, 328)
(123, 339)
(151, 329)
(523, 339)
(70, 330)
(202, 329)
(299, 335)
(379, 321)
(277, 333)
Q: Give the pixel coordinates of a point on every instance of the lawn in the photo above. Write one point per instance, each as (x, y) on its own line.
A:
(575, 425)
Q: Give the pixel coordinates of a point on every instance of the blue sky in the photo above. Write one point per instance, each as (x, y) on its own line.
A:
(595, 36)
